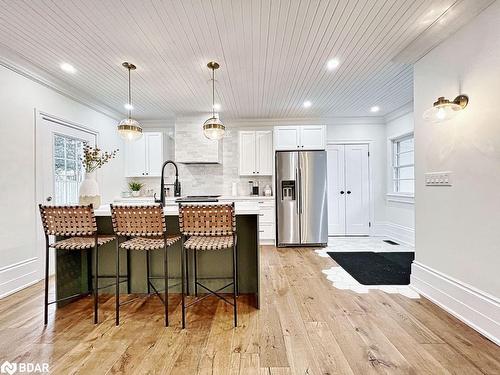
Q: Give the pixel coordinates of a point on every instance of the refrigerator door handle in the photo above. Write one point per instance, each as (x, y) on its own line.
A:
(300, 195)
(297, 193)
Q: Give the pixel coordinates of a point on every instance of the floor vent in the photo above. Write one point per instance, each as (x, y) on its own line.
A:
(391, 242)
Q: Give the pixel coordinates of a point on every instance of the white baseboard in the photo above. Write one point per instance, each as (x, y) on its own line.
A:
(18, 276)
(475, 308)
(399, 233)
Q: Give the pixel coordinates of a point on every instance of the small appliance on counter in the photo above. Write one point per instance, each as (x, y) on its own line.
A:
(255, 188)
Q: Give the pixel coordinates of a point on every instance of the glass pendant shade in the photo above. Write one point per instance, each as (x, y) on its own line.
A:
(443, 109)
(213, 128)
(130, 130)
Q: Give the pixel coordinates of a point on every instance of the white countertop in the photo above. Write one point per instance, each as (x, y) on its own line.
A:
(241, 208)
(221, 198)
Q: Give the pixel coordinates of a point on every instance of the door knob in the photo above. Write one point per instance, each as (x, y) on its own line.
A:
(348, 192)
(49, 199)
(342, 192)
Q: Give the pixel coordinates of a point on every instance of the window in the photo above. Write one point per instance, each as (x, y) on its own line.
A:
(68, 169)
(403, 165)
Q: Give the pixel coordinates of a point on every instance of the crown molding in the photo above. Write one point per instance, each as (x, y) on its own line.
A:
(401, 111)
(24, 67)
(329, 121)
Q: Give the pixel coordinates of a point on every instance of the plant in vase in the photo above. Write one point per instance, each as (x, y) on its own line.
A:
(93, 159)
(135, 187)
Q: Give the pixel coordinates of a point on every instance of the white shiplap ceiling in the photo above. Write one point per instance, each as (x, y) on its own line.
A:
(273, 53)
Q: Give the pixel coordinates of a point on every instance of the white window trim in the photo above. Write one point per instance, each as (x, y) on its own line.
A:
(394, 196)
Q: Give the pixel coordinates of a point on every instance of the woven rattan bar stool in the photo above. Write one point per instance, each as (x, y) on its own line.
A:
(207, 228)
(78, 229)
(145, 230)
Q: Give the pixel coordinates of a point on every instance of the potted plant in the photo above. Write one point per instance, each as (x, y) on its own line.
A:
(93, 158)
(135, 187)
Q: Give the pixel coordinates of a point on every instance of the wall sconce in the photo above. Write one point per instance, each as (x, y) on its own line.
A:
(443, 109)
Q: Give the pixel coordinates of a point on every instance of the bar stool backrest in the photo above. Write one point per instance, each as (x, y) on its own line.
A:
(207, 219)
(138, 221)
(68, 221)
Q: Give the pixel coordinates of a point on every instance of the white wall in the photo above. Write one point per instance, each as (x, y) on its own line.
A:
(399, 211)
(373, 132)
(19, 97)
(458, 227)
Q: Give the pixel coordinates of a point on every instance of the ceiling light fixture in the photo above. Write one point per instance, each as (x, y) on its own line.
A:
(443, 109)
(213, 128)
(68, 68)
(307, 104)
(129, 129)
(332, 64)
(375, 108)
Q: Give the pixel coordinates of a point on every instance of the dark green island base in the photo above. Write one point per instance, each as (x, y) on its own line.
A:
(214, 267)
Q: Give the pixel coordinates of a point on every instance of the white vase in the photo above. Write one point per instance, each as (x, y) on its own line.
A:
(136, 193)
(89, 191)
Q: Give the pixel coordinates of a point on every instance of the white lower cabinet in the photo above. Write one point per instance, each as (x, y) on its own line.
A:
(267, 226)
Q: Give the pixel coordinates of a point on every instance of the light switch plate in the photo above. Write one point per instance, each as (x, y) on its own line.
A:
(438, 179)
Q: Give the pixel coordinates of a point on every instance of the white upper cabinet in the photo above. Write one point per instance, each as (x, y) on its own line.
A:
(286, 137)
(304, 137)
(256, 153)
(313, 137)
(264, 149)
(144, 157)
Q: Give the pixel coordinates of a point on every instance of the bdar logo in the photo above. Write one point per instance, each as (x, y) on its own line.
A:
(8, 368)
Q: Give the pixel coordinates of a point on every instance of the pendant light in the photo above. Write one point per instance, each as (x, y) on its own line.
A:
(129, 129)
(213, 128)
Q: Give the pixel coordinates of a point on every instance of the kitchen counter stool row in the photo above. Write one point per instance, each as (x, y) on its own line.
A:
(143, 228)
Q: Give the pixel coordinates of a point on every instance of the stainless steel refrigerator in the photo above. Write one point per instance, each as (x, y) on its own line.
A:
(301, 198)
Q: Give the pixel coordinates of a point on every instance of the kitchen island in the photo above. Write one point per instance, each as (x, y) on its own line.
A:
(73, 268)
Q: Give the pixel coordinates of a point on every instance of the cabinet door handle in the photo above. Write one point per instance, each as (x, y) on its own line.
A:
(342, 192)
(348, 192)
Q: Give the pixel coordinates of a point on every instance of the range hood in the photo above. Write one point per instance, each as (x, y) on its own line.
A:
(191, 146)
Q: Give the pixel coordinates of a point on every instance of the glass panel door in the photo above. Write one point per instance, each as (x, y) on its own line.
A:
(68, 170)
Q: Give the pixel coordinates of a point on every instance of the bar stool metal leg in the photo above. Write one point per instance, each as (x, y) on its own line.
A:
(195, 273)
(165, 277)
(235, 285)
(147, 272)
(187, 272)
(183, 301)
(96, 280)
(117, 290)
(128, 272)
(46, 300)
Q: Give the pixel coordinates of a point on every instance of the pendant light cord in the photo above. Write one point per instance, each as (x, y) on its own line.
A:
(213, 92)
(129, 95)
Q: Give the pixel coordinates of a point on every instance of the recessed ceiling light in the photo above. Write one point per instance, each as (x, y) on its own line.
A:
(332, 64)
(128, 106)
(307, 104)
(217, 106)
(68, 68)
(375, 108)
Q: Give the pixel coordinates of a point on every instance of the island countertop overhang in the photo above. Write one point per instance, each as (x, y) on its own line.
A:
(241, 208)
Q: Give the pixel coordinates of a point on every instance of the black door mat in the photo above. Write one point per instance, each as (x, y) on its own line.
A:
(370, 268)
(391, 242)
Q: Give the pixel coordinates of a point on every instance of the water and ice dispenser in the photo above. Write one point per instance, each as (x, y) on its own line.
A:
(288, 190)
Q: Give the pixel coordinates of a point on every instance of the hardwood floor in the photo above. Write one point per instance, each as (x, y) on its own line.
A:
(305, 326)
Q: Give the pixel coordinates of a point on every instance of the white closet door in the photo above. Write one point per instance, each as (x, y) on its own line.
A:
(357, 190)
(336, 191)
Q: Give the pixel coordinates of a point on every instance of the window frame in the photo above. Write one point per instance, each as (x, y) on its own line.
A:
(396, 167)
